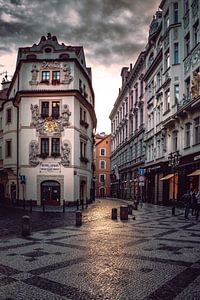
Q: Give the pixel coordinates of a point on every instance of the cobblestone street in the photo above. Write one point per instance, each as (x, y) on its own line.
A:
(155, 256)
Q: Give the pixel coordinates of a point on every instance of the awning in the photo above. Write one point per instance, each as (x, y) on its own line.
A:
(167, 177)
(195, 173)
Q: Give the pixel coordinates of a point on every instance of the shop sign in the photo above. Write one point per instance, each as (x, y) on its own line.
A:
(49, 167)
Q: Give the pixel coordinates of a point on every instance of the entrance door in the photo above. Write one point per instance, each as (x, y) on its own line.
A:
(50, 192)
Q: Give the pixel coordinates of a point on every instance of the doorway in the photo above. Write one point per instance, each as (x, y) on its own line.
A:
(50, 192)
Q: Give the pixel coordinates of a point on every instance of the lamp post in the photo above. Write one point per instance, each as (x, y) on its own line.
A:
(174, 160)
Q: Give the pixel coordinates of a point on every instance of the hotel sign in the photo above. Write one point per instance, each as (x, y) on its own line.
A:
(49, 167)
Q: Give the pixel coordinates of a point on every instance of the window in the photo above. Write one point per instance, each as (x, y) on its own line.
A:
(1, 154)
(197, 130)
(187, 88)
(8, 115)
(45, 109)
(187, 44)
(196, 33)
(83, 149)
(102, 164)
(174, 140)
(45, 75)
(186, 5)
(136, 150)
(80, 85)
(82, 114)
(167, 100)
(55, 146)
(176, 53)
(102, 151)
(176, 93)
(176, 12)
(131, 100)
(158, 80)
(166, 20)
(8, 148)
(187, 134)
(56, 75)
(44, 146)
(141, 115)
(136, 120)
(50, 108)
(55, 109)
(141, 88)
(102, 178)
(167, 59)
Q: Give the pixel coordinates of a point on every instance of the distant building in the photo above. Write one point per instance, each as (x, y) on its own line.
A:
(47, 123)
(102, 164)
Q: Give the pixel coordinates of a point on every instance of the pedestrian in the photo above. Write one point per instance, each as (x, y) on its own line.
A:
(198, 204)
(193, 201)
(187, 198)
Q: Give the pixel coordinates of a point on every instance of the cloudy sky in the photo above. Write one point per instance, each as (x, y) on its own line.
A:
(112, 32)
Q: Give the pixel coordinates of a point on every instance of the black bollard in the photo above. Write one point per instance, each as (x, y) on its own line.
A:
(63, 206)
(123, 212)
(173, 209)
(26, 228)
(78, 218)
(114, 214)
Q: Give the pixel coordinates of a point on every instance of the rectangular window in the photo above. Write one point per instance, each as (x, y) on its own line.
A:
(44, 146)
(167, 59)
(176, 53)
(187, 134)
(175, 140)
(8, 115)
(102, 164)
(176, 12)
(187, 88)
(176, 93)
(167, 100)
(102, 151)
(141, 88)
(45, 109)
(166, 20)
(102, 178)
(187, 44)
(8, 149)
(45, 75)
(197, 130)
(56, 75)
(196, 33)
(55, 146)
(136, 120)
(55, 109)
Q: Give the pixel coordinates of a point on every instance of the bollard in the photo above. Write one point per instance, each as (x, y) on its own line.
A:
(114, 214)
(63, 206)
(26, 228)
(123, 212)
(78, 218)
(130, 208)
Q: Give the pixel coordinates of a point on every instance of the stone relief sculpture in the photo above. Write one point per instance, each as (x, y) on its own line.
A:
(65, 153)
(67, 78)
(49, 125)
(34, 72)
(33, 153)
(195, 85)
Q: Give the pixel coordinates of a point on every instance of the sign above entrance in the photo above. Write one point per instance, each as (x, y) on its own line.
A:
(49, 167)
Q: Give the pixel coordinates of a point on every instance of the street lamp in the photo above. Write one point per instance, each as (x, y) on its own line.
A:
(174, 160)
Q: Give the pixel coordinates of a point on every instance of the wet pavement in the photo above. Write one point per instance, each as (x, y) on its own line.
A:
(153, 255)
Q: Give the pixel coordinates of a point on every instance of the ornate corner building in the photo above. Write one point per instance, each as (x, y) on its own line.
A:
(47, 120)
(165, 80)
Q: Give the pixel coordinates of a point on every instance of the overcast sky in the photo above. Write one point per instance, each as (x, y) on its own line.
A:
(112, 32)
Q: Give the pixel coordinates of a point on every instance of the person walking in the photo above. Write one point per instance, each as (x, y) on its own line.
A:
(198, 204)
(187, 198)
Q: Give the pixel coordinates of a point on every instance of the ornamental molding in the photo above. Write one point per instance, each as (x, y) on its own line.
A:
(50, 125)
(33, 153)
(65, 153)
(195, 87)
(192, 60)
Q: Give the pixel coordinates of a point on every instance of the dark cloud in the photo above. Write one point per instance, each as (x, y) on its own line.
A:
(115, 30)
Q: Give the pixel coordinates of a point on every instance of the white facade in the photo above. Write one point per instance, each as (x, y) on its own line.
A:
(52, 123)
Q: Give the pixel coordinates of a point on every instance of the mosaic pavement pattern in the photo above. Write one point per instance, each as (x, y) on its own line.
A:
(155, 256)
